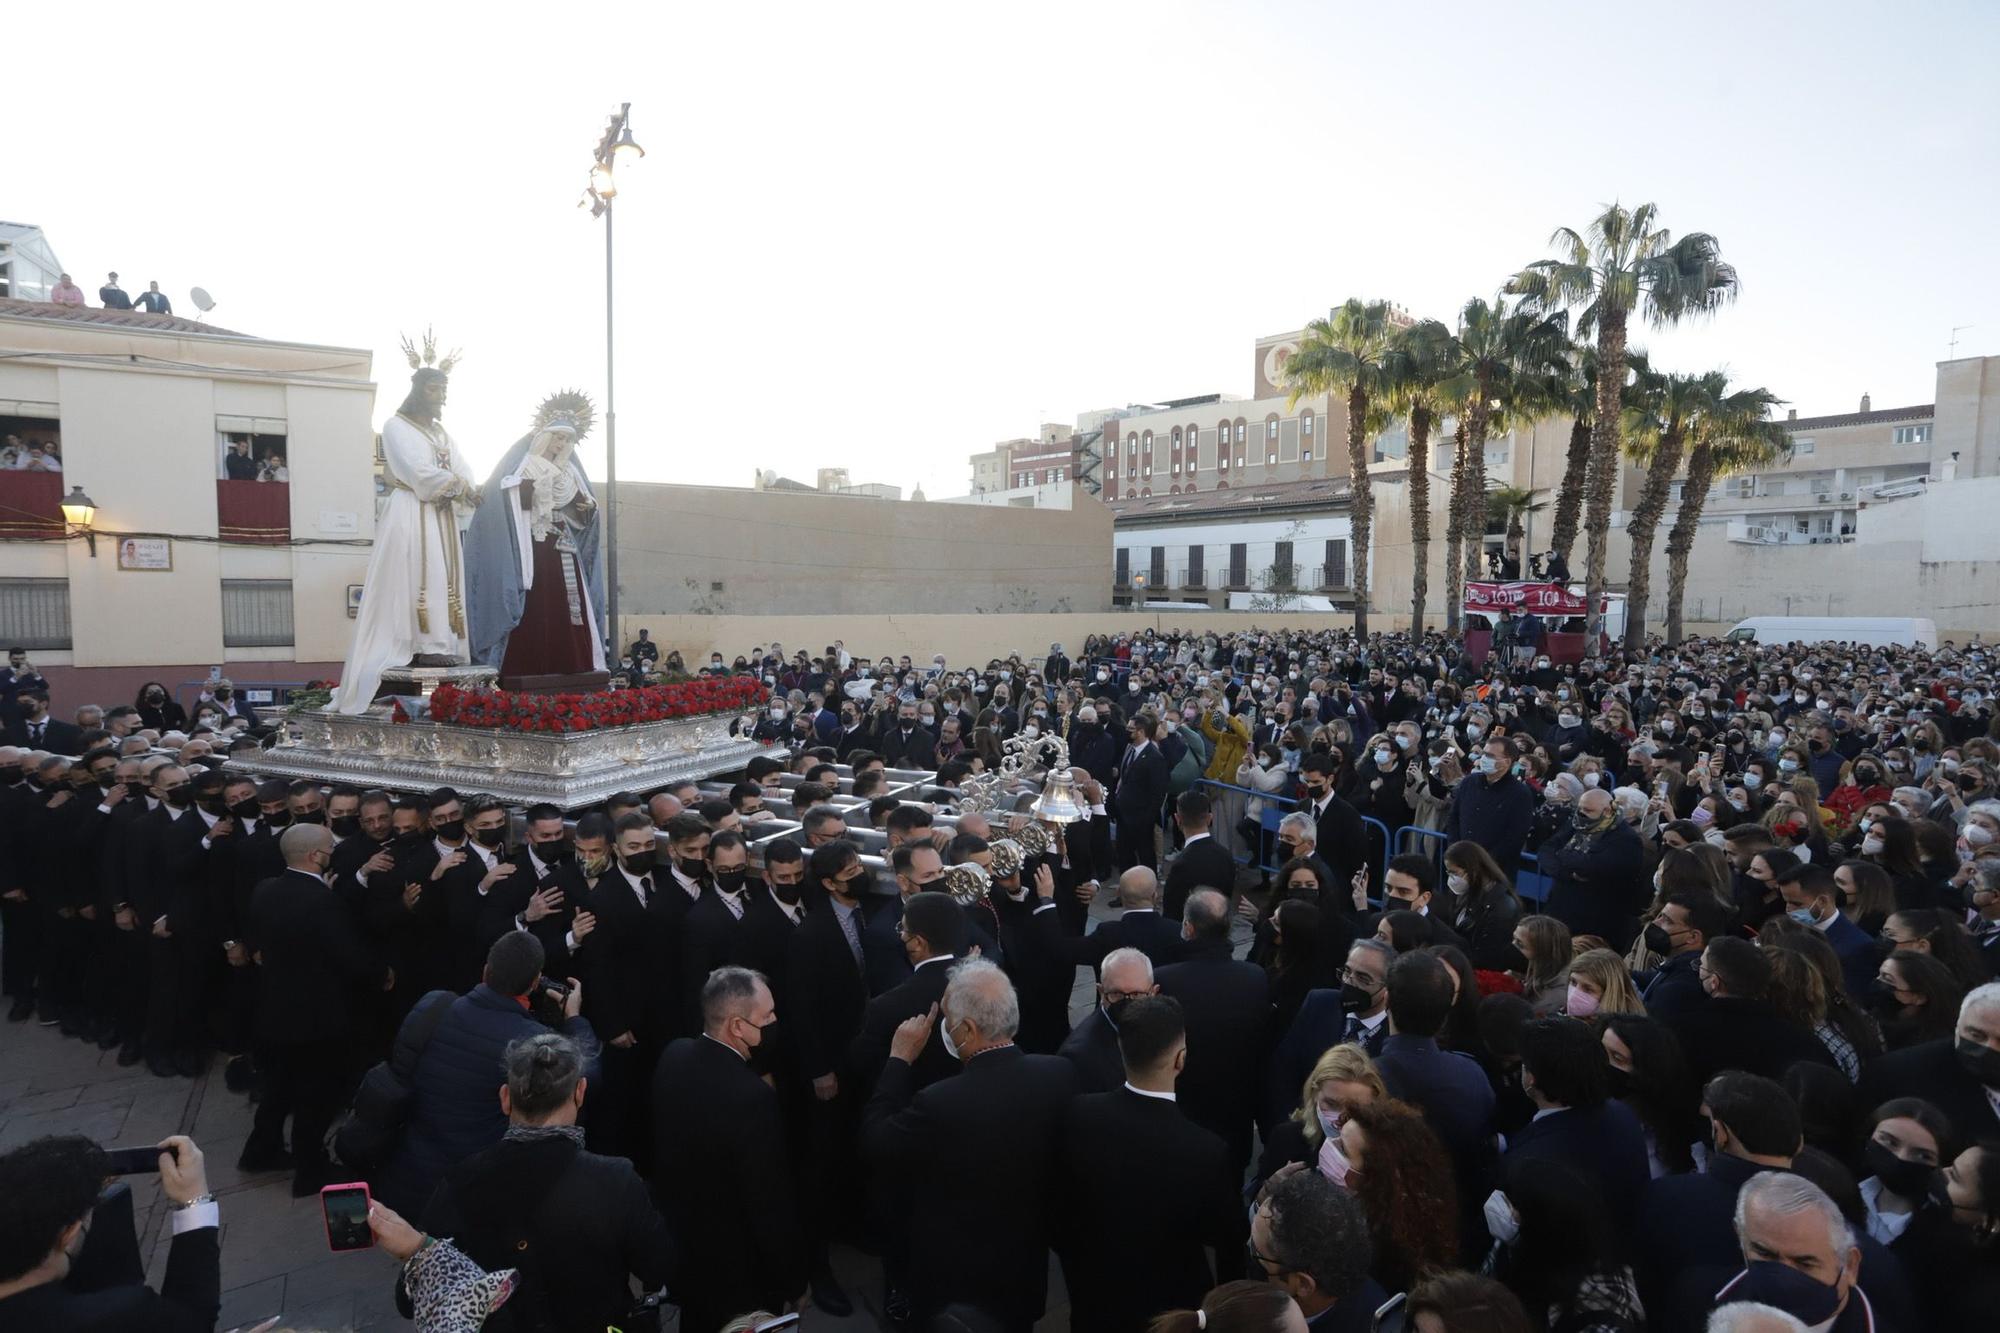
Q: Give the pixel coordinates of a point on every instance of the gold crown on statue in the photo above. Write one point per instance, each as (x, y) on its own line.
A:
(573, 404)
(425, 353)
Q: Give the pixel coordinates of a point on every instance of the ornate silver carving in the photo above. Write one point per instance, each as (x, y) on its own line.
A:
(571, 769)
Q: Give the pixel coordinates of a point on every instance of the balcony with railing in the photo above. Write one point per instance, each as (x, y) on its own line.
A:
(1329, 576)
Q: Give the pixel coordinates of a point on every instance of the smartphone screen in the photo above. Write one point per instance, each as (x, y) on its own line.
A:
(778, 1325)
(346, 1209)
(133, 1161)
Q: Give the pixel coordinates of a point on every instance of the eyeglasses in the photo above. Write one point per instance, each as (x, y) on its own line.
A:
(1361, 979)
(1276, 1267)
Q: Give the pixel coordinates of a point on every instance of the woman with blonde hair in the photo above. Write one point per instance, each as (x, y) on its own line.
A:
(1599, 984)
(1341, 1080)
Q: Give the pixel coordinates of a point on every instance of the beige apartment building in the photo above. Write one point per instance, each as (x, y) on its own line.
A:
(185, 568)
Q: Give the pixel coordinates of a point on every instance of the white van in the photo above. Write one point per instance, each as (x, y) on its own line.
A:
(1868, 631)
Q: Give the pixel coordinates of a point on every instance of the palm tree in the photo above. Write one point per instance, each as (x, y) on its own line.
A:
(1421, 358)
(1660, 411)
(1734, 434)
(1513, 503)
(1506, 352)
(1454, 528)
(1343, 355)
(1625, 265)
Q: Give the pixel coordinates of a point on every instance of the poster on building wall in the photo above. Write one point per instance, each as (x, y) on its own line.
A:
(147, 554)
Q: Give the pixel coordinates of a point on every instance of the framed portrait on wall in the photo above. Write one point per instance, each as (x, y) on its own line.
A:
(153, 555)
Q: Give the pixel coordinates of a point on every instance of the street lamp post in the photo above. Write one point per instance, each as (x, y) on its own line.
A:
(616, 148)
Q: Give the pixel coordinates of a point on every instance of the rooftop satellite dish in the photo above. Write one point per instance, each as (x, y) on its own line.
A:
(202, 300)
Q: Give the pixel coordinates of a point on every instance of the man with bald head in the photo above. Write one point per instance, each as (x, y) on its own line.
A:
(1123, 976)
(1597, 872)
(1227, 1006)
(315, 972)
(662, 807)
(1141, 926)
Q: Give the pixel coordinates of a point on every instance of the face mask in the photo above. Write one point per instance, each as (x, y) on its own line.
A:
(1978, 835)
(408, 842)
(1871, 846)
(1382, 758)
(731, 881)
(245, 810)
(1658, 941)
(1354, 1000)
(345, 826)
(694, 867)
(642, 863)
(1806, 1299)
(1667, 727)
(553, 853)
(1777, 738)
(178, 798)
(1404, 741)
(1751, 782)
(1701, 816)
(1458, 884)
(1982, 1062)
(1333, 1163)
(1501, 1222)
(1592, 779)
(1264, 761)
(950, 1046)
(1803, 915)
(451, 830)
(1911, 1180)
(1473, 731)
(1581, 1003)
(490, 837)
(1788, 765)
(1329, 1125)
(1488, 764)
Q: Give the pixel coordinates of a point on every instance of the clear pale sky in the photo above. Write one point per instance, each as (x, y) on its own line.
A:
(882, 236)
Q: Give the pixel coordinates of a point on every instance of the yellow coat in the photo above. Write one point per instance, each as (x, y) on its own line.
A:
(1231, 742)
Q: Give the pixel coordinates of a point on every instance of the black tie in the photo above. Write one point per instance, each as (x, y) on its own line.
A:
(1356, 1032)
(35, 730)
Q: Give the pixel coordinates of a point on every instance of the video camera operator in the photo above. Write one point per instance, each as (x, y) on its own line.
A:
(49, 1190)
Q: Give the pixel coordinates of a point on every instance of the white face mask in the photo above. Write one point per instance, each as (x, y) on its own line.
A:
(1592, 779)
(950, 1046)
(1457, 883)
(1382, 758)
(1502, 1223)
(1871, 846)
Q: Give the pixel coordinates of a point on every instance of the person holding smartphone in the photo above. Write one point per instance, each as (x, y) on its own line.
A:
(48, 1190)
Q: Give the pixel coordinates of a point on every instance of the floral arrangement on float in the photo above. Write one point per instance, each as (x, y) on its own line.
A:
(557, 713)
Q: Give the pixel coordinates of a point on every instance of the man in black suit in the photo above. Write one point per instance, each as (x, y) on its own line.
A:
(1340, 838)
(777, 907)
(1202, 862)
(712, 930)
(908, 744)
(34, 729)
(1409, 885)
(314, 967)
(1123, 976)
(979, 1152)
(1141, 791)
(917, 866)
(1228, 1007)
(1737, 1028)
(1357, 1012)
(1139, 926)
(720, 1163)
(532, 898)
(1566, 1073)
(1135, 1242)
(49, 1187)
(626, 929)
(1960, 1075)
(826, 997)
(1310, 1237)
(933, 935)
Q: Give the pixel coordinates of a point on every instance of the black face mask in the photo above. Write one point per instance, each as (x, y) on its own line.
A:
(490, 837)
(788, 894)
(642, 863)
(178, 798)
(1618, 1081)
(108, 781)
(553, 853)
(408, 842)
(691, 866)
(451, 830)
(10, 774)
(245, 810)
(310, 817)
(212, 803)
(279, 818)
(1982, 1062)
(222, 696)
(731, 881)
(345, 826)
(1353, 999)
(135, 788)
(1658, 940)
(1911, 1180)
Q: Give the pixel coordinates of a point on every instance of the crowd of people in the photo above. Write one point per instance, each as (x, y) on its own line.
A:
(111, 296)
(1650, 993)
(37, 452)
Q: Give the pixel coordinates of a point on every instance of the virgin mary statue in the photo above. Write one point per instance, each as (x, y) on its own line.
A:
(534, 577)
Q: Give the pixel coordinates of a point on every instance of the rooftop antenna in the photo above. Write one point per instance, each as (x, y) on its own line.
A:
(1957, 329)
(202, 300)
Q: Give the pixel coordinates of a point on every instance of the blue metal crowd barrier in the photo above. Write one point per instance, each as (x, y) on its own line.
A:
(1532, 885)
(1421, 834)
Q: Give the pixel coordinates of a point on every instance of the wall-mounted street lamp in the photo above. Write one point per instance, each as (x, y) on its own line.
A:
(80, 511)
